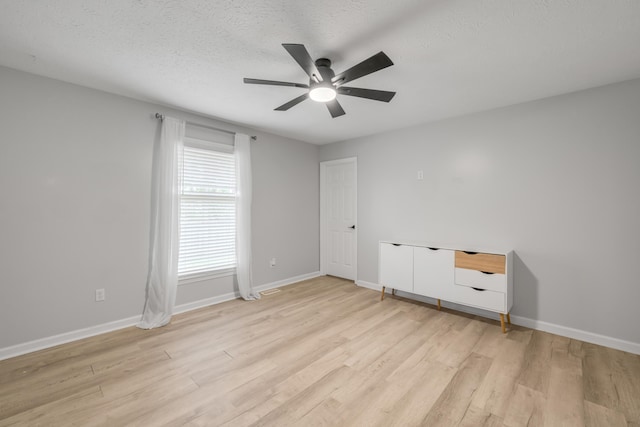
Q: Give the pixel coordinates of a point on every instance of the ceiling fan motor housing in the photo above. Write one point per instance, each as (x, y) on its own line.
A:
(326, 73)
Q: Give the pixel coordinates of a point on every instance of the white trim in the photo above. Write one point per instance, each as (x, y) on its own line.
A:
(66, 337)
(578, 334)
(370, 285)
(182, 308)
(539, 325)
(194, 305)
(323, 213)
(289, 281)
(207, 275)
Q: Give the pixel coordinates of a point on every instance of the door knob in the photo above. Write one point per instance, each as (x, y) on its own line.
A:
(353, 227)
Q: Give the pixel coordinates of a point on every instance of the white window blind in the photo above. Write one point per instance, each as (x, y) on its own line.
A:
(208, 211)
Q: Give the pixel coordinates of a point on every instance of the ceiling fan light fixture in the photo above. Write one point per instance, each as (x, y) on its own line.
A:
(324, 84)
(322, 93)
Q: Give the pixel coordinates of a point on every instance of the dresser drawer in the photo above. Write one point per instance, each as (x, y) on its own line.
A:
(477, 279)
(490, 263)
(487, 300)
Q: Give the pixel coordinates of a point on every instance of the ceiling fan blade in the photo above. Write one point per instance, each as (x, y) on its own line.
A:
(335, 108)
(302, 57)
(377, 95)
(375, 63)
(274, 83)
(293, 102)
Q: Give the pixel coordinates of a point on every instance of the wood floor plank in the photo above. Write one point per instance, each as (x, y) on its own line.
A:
(535, 372)
(476, 417)
(56, 412)
(521, 334)
(597, 416)
(44, 389)
(491, 342)
(456, 398)
(112, 368)
(626, 374)
(526, 408)
(323, 352)
(369, 375)
(414, 405)
(379, 399)
(424, 334)
(76, 352)
(611, 380)
(382, 383)
(369, 347)
(564, 403)
(269, 397)
(459, 348)
(294, 409)
(322, 415)
(495, 392)
(125, 382)
(184, 408)
(139, 403)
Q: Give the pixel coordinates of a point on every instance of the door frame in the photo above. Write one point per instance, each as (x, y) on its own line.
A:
(323, 213)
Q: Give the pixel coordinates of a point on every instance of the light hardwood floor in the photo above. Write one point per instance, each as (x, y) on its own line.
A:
(323, 352)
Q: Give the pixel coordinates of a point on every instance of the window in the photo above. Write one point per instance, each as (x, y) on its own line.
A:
(207, 210)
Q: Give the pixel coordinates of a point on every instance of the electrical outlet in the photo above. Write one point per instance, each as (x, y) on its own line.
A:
(100, 295)
(272, 262)
(420, 175)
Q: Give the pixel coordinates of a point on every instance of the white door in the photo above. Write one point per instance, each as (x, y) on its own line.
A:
(339, 232)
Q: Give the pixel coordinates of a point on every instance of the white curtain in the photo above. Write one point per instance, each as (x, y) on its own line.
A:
(165, 226)
(243, 217)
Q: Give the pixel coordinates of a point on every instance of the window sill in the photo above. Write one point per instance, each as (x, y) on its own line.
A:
(208, 275)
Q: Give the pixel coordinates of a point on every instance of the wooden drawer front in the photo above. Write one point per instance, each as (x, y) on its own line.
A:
(480, 261)
(486, 300)
(477, 279)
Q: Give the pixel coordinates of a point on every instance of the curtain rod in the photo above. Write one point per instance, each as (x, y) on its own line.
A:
(161, 117)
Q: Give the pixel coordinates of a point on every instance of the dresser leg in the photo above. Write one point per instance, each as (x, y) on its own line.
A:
(439, 305)
(382, 295)
(508, 318)
(504, 331)
(393, 292)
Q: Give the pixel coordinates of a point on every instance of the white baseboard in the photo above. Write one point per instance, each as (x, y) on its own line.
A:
(370, 285)
(194, 305)
(289, 281)
(66, 337)
(539, 325)
(182, 308)
(52, 341)
(578, 334)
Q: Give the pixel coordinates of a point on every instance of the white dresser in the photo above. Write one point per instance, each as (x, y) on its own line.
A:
(472, 277)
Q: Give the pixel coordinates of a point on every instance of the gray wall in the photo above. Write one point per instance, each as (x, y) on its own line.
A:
(75, 180)
(557, 180)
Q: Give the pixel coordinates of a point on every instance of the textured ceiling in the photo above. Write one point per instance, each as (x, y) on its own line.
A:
(451, 57)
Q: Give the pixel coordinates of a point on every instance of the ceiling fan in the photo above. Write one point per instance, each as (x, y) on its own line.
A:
(324, 84)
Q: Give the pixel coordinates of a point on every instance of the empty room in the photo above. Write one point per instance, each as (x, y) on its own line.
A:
(331, 213)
